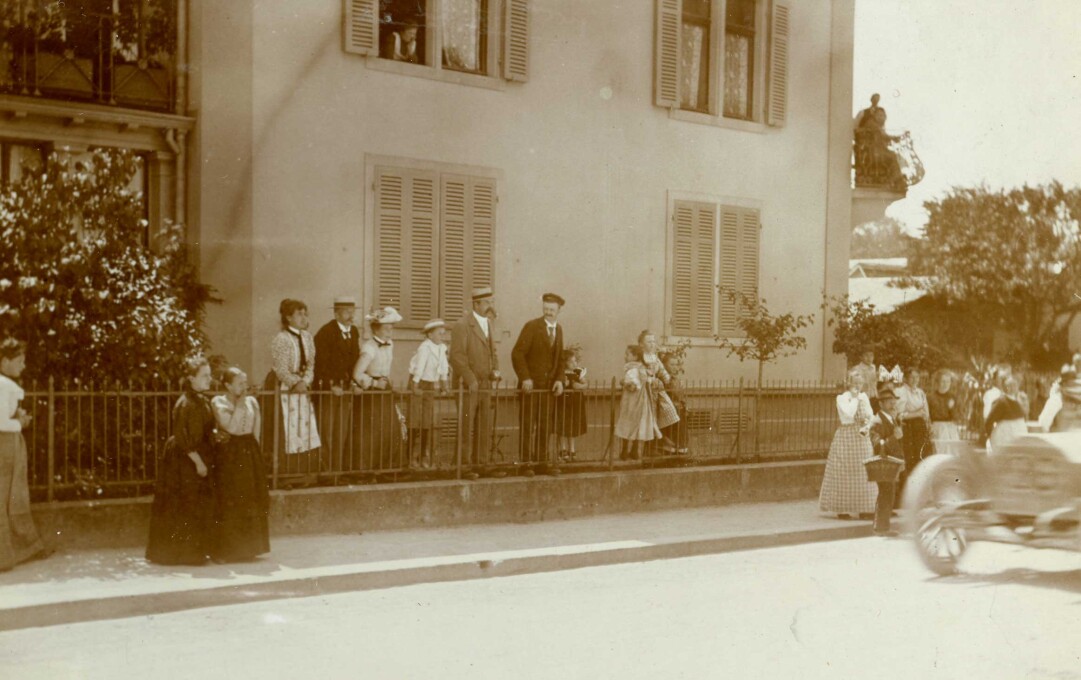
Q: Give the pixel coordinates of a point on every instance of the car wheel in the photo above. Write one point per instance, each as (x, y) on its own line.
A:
(933, 488)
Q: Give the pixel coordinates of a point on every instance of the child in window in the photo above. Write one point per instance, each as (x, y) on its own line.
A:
(429, 371)
(405, 43)
(570, 417)
(637, 423)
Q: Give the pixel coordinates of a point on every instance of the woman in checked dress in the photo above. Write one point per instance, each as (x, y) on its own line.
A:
(845, 489)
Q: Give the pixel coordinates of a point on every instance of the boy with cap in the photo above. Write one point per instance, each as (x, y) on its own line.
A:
(886, 437)
(429, 370)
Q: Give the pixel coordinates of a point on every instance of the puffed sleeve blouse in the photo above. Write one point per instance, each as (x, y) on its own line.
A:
(239, 419)
(10, 396)
(853, 410)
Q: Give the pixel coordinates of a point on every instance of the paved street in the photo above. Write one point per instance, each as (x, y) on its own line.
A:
(845, 609)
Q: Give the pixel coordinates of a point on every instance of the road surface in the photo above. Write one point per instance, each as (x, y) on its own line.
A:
(847, 609)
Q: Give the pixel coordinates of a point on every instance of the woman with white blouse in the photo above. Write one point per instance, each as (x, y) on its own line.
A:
(915, 424)
(845, 489)
(379, 421)
(240, 488)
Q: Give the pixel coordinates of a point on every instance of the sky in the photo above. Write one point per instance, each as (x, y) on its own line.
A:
(990, 90)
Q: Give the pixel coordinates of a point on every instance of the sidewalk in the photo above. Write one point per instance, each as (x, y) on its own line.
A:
(105, 584)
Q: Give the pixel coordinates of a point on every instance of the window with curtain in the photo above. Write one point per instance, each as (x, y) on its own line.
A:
(739, 48)
(694, 49)
(464, 31)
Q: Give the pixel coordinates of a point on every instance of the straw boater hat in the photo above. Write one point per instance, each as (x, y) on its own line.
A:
(384, 316)
(433, 324)
(345, 301)
(482, 292)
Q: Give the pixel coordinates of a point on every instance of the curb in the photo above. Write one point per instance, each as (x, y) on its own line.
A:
(469, 568)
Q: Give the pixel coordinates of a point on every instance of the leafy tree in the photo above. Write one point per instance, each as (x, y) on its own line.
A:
(1013, 257)
(897, 341)
(882, 238)
(767, 336)
(79, 284)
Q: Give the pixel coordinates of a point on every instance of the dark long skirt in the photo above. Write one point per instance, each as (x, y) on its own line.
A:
(917, 444)
(19, 539)
(570, 414)
(242, 501)
(181, 518)
(377, 431)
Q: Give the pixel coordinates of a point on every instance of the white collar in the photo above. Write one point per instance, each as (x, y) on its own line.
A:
(294, 331)
(550, 324)
(482, 320)
(345, 329)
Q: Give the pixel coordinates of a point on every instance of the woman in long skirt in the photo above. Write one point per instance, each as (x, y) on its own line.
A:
(915, 419)
(942, 405)
(379, 420)
(182, 516)
(240, 488)
(19, 539)
(637, 423)
(293, 353)
(845, 489)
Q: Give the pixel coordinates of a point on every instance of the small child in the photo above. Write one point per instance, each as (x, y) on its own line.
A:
(677, 432)
(570, 416)
(637, 421)
(429, 371)
(886, 439)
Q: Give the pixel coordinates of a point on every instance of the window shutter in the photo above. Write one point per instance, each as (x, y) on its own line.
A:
(516, 40)
(693, 255)
(740, 230)
(777, 102)
(360, 28)
(468, 241)
(405, 242)
(666, 53)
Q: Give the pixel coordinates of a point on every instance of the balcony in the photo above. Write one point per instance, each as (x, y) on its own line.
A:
(114, 52)
(885, 166)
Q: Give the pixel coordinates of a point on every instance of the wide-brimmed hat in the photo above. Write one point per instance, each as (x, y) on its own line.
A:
(482, 292)
(345, 301)
(434, 324)
(885, 391)
(383, 316)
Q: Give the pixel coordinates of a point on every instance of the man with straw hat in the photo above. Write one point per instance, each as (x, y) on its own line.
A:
(337, 348)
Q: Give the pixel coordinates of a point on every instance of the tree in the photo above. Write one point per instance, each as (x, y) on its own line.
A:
(79, 283)
(882, 238)
(897, 341)
(766, 337)
(1011, 256)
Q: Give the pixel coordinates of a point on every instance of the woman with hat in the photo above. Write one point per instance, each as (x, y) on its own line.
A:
(379, 421)
(845, 489)
(429, 370)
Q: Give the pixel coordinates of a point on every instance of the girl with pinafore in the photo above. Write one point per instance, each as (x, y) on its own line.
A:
(239, 479)
(637, 423)
(570, 417)
(181, 518)
(667, 415)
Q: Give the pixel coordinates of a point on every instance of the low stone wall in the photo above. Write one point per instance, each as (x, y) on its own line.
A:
(345, 510)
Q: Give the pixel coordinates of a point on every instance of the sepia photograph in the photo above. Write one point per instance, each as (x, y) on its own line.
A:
(629, 339)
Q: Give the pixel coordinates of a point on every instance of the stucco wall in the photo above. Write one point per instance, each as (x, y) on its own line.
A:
(586, 160)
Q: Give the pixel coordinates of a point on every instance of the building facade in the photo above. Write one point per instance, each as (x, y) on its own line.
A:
(637, 157)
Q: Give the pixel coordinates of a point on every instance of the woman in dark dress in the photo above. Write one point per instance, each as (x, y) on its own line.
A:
(239, 478)
(183, 512)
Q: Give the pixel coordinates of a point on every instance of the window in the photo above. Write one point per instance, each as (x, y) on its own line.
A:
(713, 57)
(714, 248)
(433, 240)
(441, 38)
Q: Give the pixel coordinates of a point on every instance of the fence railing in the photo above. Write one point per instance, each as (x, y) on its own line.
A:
(105, 440)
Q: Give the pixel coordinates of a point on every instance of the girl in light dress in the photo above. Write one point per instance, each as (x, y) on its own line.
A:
(637, 423)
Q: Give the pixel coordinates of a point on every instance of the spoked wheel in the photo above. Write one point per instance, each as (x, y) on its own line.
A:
(933, 490)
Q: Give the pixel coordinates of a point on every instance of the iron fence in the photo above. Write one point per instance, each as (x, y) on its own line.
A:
(101, 441)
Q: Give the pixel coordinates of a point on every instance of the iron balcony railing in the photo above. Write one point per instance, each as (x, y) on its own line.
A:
(102, 441)
(884, 160)
(122, 53)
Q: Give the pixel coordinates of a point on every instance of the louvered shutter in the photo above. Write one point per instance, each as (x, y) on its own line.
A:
(405, 242)
(468, 240)
(740, 229)
(360, 27)
(694, 226)
(516, 40)
(777, 101)
(666, 53)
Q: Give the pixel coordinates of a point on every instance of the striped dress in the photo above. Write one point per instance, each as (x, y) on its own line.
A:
(845, 489)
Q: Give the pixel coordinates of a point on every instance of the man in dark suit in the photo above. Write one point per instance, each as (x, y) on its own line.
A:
(475, 365)
(337, 348)
(886, 437)
(538, 363)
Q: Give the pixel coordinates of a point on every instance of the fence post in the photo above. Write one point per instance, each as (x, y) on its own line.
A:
(462, 418)
(757, 418)
(739, 423)
(275, 460)
(50, 438)
(612, 427)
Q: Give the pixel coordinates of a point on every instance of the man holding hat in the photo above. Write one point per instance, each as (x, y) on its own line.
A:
(538, 362)
(337, 348)
(473, 358)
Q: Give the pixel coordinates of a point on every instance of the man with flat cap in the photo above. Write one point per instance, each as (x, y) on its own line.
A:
(538, 363)
(473, 359)
(337, 348)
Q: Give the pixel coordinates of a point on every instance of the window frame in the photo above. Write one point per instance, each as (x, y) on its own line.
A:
(720, 202)
(372, 162)
(433, 69)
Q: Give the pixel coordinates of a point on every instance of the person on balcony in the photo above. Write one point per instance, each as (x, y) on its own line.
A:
(866, 118)
(379, 419)
(182, 516)
(19, 538)
(845, 490)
